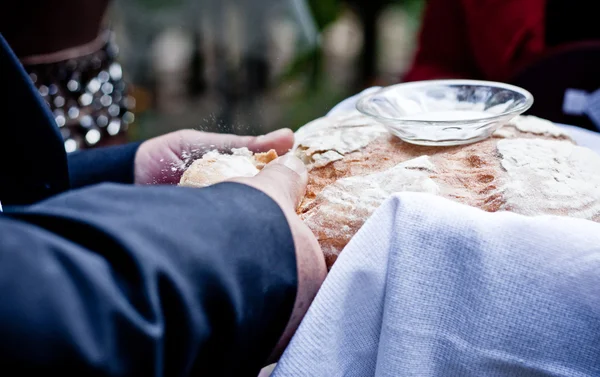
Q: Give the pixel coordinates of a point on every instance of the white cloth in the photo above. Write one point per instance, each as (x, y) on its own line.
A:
(429, 287)
(583, 137)
(579, 102)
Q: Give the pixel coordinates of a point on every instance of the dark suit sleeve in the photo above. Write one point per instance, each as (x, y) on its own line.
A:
(99, 165)
(119, 280)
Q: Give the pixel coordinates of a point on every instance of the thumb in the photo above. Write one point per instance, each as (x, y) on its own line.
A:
(284, 179)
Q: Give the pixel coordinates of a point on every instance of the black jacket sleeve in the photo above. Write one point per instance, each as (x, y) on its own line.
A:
(33, 161)
(108, 164)
(117, 280)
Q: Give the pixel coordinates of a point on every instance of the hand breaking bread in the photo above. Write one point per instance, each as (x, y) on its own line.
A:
(529, 166)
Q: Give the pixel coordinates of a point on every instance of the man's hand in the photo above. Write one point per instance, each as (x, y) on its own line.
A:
(162, 160)
(284, 180)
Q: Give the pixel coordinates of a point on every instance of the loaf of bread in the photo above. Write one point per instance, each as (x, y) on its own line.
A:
(529, 166)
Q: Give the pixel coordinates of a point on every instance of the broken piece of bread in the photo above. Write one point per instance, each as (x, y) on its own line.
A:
(215, 167)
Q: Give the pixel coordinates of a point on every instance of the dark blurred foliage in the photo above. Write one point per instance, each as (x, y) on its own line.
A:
(325, 11)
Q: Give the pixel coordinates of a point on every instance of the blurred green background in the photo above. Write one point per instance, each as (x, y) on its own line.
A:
(252, 66)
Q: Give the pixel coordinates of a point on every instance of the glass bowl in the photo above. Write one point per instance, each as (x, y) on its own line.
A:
(445, 112)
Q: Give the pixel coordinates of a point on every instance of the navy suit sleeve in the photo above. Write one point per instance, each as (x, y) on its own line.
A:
(108, 164)
(117, 280)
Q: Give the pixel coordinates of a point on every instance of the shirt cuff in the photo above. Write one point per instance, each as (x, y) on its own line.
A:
(109, 164)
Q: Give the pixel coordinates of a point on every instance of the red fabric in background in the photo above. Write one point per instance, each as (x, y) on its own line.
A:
(478, 39)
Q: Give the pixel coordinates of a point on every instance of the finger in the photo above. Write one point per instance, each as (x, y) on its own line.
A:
(281, 141)
(285, 179)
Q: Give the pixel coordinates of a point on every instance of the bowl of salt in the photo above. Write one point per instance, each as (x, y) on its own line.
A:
(445, 112)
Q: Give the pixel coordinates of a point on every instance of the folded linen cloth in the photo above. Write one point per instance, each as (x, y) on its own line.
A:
(430, 287)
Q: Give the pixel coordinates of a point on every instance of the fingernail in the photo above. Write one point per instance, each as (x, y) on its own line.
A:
(292, 162)
(275, 134)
